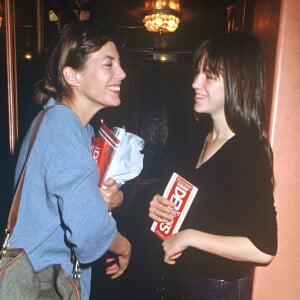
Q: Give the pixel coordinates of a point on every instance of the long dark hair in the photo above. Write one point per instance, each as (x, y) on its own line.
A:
(237, 56)
(72, 46)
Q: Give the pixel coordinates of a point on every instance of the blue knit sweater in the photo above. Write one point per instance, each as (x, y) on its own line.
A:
(61, 204)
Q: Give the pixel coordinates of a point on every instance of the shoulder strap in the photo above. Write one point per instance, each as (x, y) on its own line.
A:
(13, 214)
(14, 209)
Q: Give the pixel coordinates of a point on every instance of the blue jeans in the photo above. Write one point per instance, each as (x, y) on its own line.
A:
(194, 288)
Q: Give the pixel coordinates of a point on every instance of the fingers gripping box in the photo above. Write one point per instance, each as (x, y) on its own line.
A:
(181, 192)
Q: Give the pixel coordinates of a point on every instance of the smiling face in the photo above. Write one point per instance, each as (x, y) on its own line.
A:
(100, 80)
(209, 93)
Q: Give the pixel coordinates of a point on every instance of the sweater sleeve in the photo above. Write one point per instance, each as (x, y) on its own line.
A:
(258, 221)
(72, 184)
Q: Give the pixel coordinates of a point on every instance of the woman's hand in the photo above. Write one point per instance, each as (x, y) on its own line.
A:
(173, 246)
(121, 247)
(111, 194)
(161, 209)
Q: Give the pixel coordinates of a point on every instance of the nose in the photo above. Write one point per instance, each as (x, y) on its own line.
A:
(198, 81)
(121, 73)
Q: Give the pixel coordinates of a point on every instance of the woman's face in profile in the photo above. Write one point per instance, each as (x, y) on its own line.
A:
(209, 92)
(100, 79)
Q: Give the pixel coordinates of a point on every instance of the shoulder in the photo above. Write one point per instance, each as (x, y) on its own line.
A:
(61, 133)
(60, 121)
(251, 156)
(248, 146)
(60, 114)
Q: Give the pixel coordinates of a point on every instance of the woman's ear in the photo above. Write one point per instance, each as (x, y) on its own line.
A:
(71, 76)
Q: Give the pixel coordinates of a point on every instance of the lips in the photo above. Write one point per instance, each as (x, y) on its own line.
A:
(115, 88)
(199, 97)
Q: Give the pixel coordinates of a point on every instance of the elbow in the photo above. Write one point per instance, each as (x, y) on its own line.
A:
(264, 255)
(266, 259)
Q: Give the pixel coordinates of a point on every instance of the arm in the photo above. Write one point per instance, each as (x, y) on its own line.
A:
(111, 194)
(231, 247)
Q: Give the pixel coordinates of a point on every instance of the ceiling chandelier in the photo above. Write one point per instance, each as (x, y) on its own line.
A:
(162, 15)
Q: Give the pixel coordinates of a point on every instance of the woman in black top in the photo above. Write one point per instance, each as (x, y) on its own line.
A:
(231, 224)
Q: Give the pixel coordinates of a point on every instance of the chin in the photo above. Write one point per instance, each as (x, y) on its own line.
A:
(198, 110)
(118, 103)
(114, 103)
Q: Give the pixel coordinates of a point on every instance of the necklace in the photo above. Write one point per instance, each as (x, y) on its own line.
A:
(199, 162)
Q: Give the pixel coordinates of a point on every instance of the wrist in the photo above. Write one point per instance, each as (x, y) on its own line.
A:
(121, 246)
(126, 249)
(188, 233)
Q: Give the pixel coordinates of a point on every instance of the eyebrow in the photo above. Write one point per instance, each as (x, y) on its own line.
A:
(112, 57)
(109, 56)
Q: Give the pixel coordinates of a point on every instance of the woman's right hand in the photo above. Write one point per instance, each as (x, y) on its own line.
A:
(121, 247)
(161, 209)
(111, 194)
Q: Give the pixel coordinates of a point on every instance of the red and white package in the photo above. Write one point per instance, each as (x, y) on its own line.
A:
(181, 192)
(118, 154)
(104, 147)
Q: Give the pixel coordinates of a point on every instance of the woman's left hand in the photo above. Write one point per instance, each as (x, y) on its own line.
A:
(173, 247)
(111, 193)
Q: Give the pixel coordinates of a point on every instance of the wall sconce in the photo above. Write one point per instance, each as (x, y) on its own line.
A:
(162, 15)
(164, 57)
(52, 16)
(27, 56)
(82, 10)
(82, 15)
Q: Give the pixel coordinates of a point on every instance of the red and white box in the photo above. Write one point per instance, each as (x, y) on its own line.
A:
(181, 192)
(104, 147)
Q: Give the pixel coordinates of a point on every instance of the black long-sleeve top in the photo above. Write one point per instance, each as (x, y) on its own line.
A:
(235, 198)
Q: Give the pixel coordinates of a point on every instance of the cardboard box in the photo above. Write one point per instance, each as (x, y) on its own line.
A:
(104, 147)
(181, 192)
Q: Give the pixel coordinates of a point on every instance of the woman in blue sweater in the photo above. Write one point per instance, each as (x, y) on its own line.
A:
(62, 207)
(231, 225)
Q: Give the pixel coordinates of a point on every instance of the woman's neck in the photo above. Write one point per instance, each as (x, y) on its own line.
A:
(220, 128)
(76, 109)
(221, 134)
(215, 139)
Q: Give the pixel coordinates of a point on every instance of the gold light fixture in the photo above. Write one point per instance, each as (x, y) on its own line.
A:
(162, 15)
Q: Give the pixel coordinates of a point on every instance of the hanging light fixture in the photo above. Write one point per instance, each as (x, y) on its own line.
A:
(162, 15)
